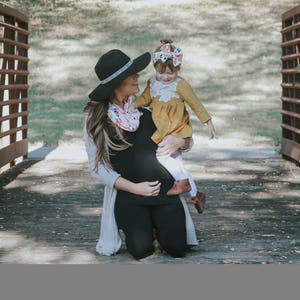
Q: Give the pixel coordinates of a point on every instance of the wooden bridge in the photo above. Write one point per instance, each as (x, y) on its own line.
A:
(13, 85)
(291, 83)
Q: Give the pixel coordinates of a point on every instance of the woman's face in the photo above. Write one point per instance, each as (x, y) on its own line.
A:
(129, 86)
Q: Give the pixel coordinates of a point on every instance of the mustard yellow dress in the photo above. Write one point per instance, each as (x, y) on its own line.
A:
(167, 102)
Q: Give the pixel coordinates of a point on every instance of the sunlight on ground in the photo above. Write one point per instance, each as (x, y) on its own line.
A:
(296, 207)
(242, 215)
(49, 170)
(89, 211)
(262, 195)
(21, 250)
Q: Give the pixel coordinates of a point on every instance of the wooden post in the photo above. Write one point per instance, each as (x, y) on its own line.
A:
(291, 84)
(13, 85)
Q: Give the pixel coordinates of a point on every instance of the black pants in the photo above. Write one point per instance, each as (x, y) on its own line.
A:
(137, 222)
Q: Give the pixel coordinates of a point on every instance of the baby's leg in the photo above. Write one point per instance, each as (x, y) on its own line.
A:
(176, 159)
(193, 191)
(198, 198)
(174, 165)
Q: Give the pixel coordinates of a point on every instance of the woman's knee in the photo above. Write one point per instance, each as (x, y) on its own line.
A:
(172, 235)
(139, 248)
(174, 243)
(175, 248)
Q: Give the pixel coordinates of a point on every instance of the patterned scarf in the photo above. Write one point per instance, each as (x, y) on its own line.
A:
(123, 118)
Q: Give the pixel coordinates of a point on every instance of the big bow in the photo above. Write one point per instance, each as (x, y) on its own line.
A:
(165, 53)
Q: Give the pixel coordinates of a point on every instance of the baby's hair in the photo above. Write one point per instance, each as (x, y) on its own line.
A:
(166, 41)
(161, 66)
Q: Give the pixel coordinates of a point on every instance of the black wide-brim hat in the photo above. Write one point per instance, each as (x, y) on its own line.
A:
(112, 68)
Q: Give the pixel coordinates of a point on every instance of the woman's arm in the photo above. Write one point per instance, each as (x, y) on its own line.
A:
(113, 179)
(108, 177)
(147, 188)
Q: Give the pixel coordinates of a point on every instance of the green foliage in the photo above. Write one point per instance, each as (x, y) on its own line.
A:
(51, 120)
(233, 58)
(270, 126)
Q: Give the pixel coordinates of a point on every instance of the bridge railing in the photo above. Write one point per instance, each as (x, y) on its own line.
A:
(13, 85)
(291, 83)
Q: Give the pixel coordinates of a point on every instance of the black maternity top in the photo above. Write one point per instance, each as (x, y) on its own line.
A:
(138, 163)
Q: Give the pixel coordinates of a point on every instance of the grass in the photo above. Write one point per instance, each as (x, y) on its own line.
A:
(52, 120)
(231, 57)
(267, 129)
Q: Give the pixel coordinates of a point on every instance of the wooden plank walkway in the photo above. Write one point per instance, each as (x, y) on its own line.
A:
(50, 209)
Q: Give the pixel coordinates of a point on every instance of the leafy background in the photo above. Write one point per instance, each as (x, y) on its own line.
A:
(231, 58)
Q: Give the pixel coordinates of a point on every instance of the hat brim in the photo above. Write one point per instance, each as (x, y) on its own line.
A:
(103, 91)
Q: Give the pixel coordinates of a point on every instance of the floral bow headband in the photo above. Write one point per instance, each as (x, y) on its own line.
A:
(165, 53)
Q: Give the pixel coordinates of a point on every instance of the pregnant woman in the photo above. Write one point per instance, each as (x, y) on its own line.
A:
(123, 156)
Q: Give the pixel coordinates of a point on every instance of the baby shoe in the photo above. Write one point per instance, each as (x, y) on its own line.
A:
(199, 202)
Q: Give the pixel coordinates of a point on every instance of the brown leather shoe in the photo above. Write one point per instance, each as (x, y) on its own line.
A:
(179, 186)
(199, 202)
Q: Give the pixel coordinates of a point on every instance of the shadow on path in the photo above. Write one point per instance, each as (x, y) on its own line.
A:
(50, 212)
(33, 157)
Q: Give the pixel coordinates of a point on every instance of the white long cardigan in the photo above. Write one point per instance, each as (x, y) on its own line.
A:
(110, 241)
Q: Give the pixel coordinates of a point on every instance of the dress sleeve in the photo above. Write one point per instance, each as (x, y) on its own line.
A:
(108, 177)
(187, 93)
(144, 99)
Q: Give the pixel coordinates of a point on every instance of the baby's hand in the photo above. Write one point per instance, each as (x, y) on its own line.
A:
(211, 130)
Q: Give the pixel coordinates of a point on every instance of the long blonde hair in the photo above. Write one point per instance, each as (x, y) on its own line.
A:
(97, 128)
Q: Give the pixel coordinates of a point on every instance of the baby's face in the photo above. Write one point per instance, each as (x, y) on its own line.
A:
(167, 76)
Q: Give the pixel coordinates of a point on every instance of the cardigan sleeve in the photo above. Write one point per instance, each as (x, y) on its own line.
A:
(144, 99)
(188, 95)
(108, 177)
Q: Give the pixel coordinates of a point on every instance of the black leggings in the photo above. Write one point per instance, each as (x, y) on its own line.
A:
(137, 223)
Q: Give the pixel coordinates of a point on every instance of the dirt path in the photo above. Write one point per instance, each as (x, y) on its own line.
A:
(50, 209)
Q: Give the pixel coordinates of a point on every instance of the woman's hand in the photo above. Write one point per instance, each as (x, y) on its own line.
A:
(147, 188)
(169, 145)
